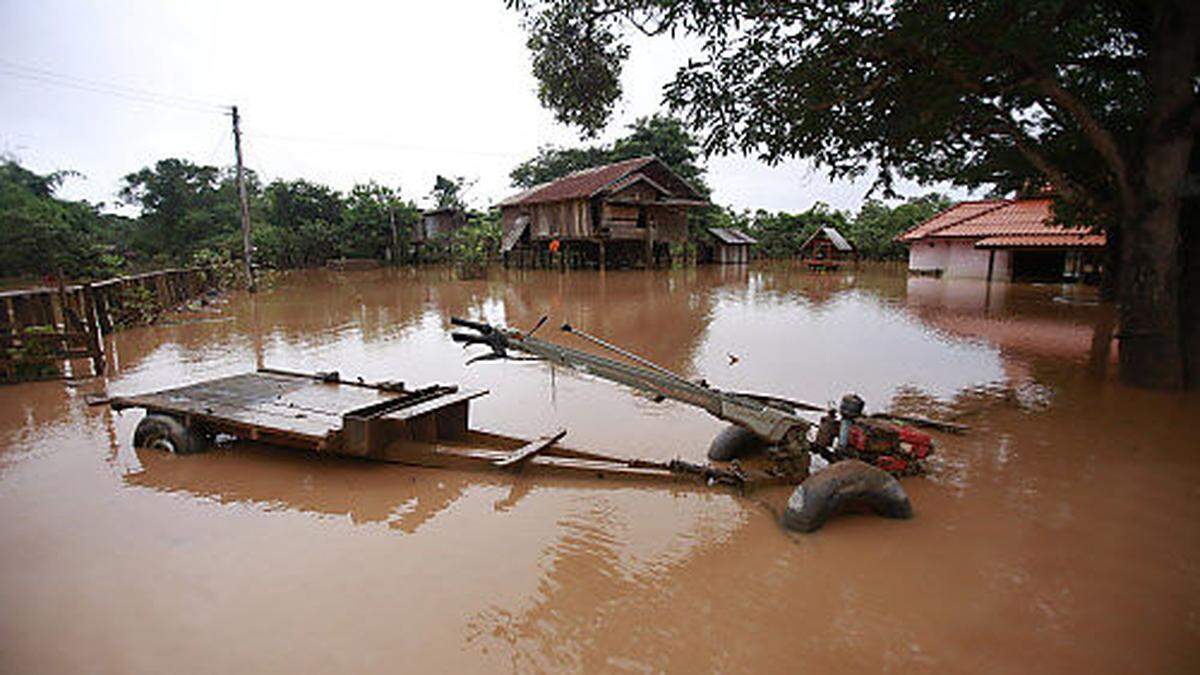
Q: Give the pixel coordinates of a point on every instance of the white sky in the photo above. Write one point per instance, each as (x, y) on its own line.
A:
(335, 92)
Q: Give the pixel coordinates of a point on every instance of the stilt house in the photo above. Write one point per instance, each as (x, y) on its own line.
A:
(619, 214)
(827, 249)
(434, 229)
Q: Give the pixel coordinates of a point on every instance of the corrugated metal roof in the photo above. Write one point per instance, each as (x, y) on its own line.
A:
(731, 235)
(578, 185)
(512, 236)
(1044, 240)
(955, 214)
(839, 242)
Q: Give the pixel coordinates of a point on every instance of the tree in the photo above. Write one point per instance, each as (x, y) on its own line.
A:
(377, 222)
(40, 234)
(876, 226)
(448, 193)
(1097, 99)
(184, 207)
(780, 235)
(303, 221)
(662, 136)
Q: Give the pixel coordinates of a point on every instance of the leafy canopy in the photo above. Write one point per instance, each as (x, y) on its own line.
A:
(977, 92)
(663, 136)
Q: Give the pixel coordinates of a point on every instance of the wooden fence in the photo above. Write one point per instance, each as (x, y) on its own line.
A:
(49, 326)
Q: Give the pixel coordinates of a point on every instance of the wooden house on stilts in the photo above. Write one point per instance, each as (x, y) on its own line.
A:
(624, 214)
(827, 249)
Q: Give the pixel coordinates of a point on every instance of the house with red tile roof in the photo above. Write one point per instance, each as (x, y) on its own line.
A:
(625, 213)
(1002, 239)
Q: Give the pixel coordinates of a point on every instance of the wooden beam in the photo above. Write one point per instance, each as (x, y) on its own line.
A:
(520, 455)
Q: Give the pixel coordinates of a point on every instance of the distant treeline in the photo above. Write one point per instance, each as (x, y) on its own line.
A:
(188, 213)
(873, 230)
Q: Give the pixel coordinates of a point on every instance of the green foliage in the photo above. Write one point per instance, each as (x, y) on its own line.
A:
(780, 235)
(40, 234)
(473, 245)
(658, 135)
(372, 211)
(1006, 93)
(184, 208)
(577, 62)
(874, 230)
(138, 306)
(449, 193)
(34, 359)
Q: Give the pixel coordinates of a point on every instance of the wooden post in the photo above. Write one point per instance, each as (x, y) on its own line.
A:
(602, 260)
(243, 202)
(91, 323)
(991, 264)
(394, 251)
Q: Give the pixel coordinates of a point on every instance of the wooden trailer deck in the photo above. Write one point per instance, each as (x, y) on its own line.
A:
(312, 411)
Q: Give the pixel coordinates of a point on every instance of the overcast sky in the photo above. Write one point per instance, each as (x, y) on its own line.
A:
(336, 92)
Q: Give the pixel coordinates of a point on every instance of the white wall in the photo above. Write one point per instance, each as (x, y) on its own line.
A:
(958, 259)
(927, 256)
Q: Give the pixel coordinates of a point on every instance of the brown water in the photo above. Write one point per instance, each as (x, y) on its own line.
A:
(1061, 534)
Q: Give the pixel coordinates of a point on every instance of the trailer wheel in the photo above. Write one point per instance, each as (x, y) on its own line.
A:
(735, 442)
(845, 485)
(162, 432)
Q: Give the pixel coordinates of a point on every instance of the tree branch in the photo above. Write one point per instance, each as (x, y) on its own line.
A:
(1025, 145)
(1100, 138)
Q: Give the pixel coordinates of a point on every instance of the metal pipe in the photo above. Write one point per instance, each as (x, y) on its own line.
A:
(567, 328)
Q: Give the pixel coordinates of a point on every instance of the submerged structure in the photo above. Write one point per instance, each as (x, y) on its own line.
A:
(1003, 240)
(767, 441)
(827, 249)
(432, 232)
(617, 215)
(728, 246)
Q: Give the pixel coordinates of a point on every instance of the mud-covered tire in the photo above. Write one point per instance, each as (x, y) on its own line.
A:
(735, 442)
(843, 485)
(162, 432)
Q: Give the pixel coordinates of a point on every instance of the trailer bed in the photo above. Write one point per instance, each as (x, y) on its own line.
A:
(313, 411)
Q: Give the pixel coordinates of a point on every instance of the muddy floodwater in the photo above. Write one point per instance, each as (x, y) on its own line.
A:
(1061, 534)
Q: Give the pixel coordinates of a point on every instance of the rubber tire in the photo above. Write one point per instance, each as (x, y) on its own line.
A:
(735, 442)
(163, 432)
(845, 484)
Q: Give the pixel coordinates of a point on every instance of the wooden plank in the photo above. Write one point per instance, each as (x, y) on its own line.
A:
(437, 403)
(530, 449)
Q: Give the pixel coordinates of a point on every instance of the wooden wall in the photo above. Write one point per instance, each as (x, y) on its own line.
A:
(69, 321)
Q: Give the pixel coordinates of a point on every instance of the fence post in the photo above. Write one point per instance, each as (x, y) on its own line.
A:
(91, 328)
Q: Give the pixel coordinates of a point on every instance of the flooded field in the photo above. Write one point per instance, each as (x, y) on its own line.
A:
(1061, 534)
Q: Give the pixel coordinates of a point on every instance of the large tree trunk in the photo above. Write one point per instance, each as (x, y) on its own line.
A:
(1189, 287)
(1152, 342)
(1150, 352)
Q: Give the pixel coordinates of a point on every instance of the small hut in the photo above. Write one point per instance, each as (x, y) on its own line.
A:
(622, 214)
(827, 249)
(434, 229)
(730, 246)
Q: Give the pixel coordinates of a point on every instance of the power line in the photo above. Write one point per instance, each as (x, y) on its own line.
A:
(44, 76)
(389, 145)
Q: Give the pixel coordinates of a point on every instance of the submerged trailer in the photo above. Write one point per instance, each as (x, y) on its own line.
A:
(767, 442)
(387, 421)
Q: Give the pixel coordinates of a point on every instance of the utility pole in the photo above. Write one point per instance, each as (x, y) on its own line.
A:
(241, 182)
(394, 251)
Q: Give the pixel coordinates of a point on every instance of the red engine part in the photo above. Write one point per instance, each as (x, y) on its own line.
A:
(921, 442)
(893, 448)
(891, 464)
